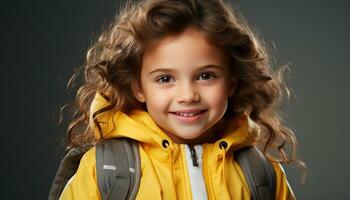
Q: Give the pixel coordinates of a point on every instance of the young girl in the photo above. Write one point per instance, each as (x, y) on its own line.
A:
(180, 76)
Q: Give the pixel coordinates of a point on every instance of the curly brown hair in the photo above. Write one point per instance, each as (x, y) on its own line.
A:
(115, 59)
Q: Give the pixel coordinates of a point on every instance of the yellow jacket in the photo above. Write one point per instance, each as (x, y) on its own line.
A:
(164, 170)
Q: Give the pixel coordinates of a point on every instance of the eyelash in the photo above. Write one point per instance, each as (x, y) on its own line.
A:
(213, 75)
(158, 79)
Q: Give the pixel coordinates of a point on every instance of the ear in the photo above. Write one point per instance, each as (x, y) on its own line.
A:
(137, 91)
(232, 86)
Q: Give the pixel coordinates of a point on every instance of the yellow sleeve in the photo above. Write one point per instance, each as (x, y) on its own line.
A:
(83, 184)
(283, 189)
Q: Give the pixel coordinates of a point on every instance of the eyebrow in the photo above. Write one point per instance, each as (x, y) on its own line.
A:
(199, 69)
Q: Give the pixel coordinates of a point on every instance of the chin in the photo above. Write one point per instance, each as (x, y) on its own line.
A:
(189, 136)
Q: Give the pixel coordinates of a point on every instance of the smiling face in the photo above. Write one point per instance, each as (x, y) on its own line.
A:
(185, 85)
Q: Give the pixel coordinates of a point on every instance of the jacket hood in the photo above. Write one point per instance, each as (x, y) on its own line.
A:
(139, 125)
(166, 169)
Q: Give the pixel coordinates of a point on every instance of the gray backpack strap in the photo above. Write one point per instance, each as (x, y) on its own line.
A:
(118, 168)
(259, 173)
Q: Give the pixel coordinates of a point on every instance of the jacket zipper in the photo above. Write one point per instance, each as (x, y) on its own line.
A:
(206, 174)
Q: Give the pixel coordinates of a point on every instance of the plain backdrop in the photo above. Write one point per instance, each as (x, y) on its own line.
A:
(42, 42)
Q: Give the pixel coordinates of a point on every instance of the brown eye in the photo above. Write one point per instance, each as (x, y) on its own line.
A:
(164, 79)
(207, 76)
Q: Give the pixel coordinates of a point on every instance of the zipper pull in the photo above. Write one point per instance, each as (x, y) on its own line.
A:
(193, 156)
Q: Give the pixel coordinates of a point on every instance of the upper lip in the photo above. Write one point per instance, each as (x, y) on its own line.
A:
(188, 111)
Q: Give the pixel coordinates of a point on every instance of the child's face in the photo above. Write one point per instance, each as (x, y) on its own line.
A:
(185, 74)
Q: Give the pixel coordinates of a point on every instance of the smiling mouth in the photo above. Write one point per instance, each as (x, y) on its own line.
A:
(188, 114)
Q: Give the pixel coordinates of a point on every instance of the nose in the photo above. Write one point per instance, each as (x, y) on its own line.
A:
(187, 93)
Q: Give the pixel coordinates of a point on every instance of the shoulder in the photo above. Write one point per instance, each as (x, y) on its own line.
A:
(88, 162)
(89, 158)
(83, 184)
(278, 169)
(283, 189)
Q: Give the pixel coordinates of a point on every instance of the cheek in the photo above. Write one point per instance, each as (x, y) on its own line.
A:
(157, 99)
(217, 97)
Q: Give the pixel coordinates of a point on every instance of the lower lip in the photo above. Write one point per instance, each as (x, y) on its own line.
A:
(189, 119)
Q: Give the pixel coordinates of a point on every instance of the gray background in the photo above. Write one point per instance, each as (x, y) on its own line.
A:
(42, 42)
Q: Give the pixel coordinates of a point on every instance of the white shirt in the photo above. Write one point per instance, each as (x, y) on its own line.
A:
(196, 173)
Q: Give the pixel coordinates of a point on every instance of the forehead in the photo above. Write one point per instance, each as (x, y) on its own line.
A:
(188, 49)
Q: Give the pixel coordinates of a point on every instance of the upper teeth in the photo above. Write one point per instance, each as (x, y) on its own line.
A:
(187, 114)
